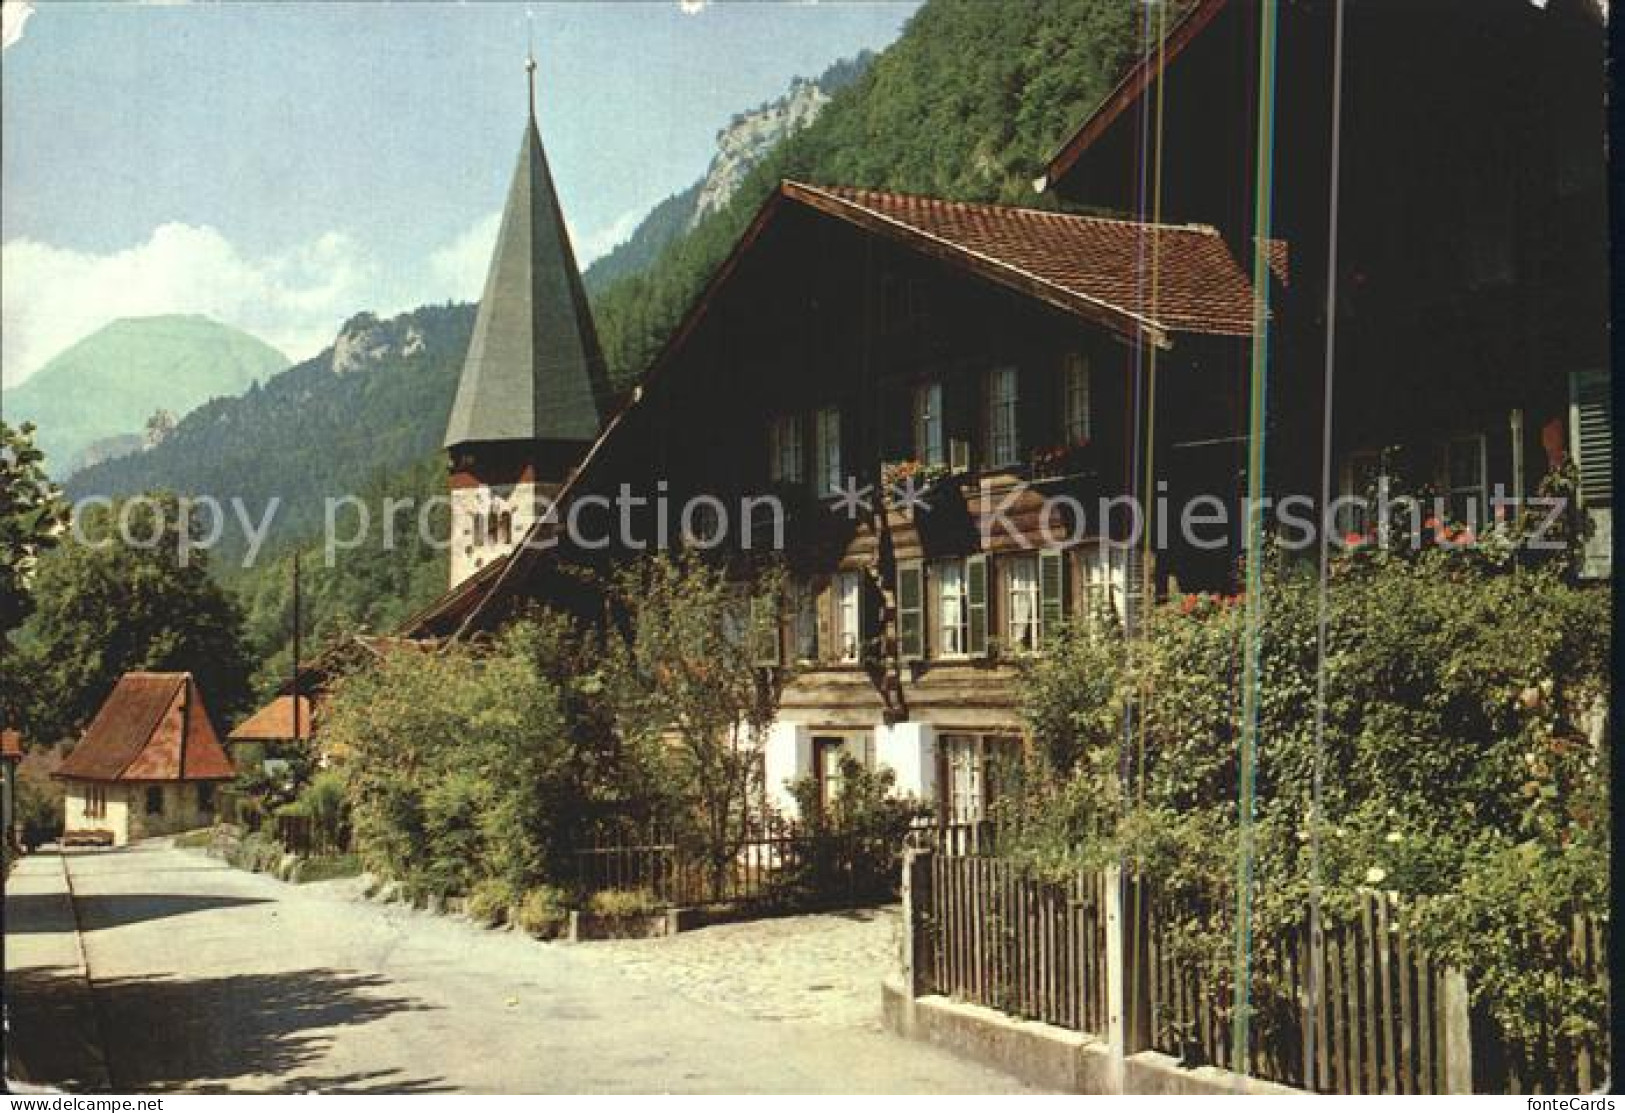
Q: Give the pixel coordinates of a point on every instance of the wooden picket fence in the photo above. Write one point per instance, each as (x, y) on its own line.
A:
(1386, 1018)
(1379, 1015)
(990, 934)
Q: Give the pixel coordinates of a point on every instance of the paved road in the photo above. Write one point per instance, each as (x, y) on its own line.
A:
(206, 978)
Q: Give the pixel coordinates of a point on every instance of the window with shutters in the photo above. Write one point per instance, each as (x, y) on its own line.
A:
(827, 437)
(1003, 444)
(784, 450)
(848, 616)
(1591, 421)
(952, 608)
(1021, 603)
(1462, 479)
(928, 443)
(1075, 401)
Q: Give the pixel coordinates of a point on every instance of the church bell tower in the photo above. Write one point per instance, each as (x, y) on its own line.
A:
(533, 391)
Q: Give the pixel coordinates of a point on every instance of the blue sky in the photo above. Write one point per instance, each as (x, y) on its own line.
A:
(283, 165)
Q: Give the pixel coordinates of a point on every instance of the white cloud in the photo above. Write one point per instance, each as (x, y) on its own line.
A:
(590, 246)
(51, 297)
(458, 269)
(13, 15)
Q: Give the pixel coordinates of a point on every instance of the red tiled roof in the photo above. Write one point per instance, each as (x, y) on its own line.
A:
(153, 727)
(1152, 278)
(274, 722)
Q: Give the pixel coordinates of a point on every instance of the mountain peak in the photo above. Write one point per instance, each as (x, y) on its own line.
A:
(102, 388)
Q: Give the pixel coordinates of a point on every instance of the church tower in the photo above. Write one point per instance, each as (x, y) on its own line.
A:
(533, 392)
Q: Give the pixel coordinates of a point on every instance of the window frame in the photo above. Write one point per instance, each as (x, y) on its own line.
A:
(1077, 399)
(848, 608)
(930, 447)
(1001, 412)
(1479, 492)
(786, 460)
(827, 479)
(1014, 592)
(959, 602)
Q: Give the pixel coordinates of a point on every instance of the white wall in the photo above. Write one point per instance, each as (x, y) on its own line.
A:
(115, 820)
(786, 757)
(126, 812)
(910, 751)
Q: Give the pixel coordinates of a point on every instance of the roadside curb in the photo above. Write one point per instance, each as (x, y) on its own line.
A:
(102, 1081)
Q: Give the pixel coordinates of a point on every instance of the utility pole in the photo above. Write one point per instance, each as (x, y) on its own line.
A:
(298, 725)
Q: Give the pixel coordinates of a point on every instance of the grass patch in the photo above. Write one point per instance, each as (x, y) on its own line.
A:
(327, 867)
(200, 839)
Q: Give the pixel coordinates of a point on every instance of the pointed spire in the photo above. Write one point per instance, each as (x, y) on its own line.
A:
(530, 59)
(534, 371)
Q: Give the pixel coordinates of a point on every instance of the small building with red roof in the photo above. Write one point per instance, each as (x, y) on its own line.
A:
(147, 765)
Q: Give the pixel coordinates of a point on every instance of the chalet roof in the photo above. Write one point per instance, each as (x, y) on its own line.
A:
(534, 370)
(275, 722)
(1093, 267)
(1134, 277)
(153, 727)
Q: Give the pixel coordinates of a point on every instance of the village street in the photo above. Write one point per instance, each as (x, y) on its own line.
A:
(206, 978)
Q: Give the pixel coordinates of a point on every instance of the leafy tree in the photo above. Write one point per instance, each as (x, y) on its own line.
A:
(105, 607)
(688, 693)
(469, 764)
(32, 516)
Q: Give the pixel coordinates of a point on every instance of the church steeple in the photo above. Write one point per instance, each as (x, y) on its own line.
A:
(534, 390)
(534, 371)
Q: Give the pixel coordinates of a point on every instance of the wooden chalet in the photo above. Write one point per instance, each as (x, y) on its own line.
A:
(1471, 313)
(148, 764)
(1007, 356)
(993, 350)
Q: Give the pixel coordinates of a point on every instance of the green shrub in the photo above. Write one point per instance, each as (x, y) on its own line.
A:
(323, 801)
(543, 912)
(618, 903)
(491, 902)
(257, 853)
(200, 839)
(1458, 761)
(327, 867)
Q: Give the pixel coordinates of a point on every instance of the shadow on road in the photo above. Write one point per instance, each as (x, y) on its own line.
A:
(242, 1031)
(108, 911)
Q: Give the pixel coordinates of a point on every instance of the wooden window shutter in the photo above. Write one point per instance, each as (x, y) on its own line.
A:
(911, 611)
(976, 605)
(1051, 594)
(1591, 418)
(764, 632)
(827, 649)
